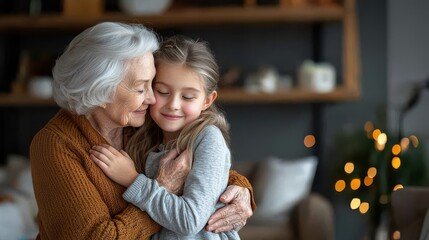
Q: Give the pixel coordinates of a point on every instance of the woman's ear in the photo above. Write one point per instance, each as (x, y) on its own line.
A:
(209, 100)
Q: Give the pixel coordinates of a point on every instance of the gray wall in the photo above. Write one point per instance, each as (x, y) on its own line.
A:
(408, 63)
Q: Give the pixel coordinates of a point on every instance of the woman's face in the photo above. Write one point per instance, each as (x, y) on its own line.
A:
(180, 98)
(134, 93)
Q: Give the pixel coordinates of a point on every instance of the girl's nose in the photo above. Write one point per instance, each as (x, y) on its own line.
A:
(174, 102)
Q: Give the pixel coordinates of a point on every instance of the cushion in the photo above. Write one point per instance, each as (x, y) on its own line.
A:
(279, 185)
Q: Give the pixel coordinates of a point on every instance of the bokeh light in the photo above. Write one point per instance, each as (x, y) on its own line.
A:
(396, 162)
(405, 143)
(340, 185)
(355, 203)
(355, 184)
(396, 235)
(382, 139)
(397, 187)
(369, 127)
(372, 172)
(368, 181)
(349, 167)
(309, 141)
(414, 140)
(396, 149)
(364, 207)
(375, 134)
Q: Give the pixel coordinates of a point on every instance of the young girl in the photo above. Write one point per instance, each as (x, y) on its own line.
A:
(184, 117)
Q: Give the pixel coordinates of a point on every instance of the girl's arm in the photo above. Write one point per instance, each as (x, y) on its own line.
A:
(189, 213)
(116, 164)
(234, 215)
(119, 167)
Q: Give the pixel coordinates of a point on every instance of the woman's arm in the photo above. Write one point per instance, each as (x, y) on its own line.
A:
(241, 204)
(70, 204)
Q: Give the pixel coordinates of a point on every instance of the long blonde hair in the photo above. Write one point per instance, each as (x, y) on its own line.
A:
(197, 56)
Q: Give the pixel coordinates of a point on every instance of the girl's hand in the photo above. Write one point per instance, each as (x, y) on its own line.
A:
(117, 165)
(235, 214)
(173, 171)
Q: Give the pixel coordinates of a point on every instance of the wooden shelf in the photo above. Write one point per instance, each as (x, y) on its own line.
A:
(225, 95)
(182, 17)
(13, 100)
(241, 96)
(349, 90)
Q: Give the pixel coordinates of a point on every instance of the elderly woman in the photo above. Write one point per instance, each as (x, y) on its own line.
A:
(103, 82)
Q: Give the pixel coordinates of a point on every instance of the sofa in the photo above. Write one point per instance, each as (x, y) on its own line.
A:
(410, 208)
(310, 215)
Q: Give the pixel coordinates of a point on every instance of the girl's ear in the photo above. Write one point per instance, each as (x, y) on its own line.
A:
(209, 100)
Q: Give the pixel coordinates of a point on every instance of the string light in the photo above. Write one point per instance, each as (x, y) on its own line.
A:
(397, 187)
(396, 235)
(340, 185)
(369, 127)
(349, 167)
(355, 184)
(364, 207)
(375, 134)
(309, 141)
(368, 181)
(414, 141)
(382, 139)
(405, 143)
(372, 172)
(355, 203)
(396, 162)
(396, 149)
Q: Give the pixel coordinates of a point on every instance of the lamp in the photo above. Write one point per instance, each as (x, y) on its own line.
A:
(411, 102)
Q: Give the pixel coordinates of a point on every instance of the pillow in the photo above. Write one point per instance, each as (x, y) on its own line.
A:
(279, 185)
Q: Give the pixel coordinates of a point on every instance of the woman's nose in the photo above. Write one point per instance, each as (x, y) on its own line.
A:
(150, 98)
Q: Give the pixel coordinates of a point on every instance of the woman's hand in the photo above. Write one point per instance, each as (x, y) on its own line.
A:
(235, 214)
(173, 170)
(117, 165)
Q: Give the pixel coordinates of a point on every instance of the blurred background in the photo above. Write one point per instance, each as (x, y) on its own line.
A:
(280, 106)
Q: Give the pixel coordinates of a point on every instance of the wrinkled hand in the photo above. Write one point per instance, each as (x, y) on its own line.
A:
(117, 165)
(235, 214)
(173, 170)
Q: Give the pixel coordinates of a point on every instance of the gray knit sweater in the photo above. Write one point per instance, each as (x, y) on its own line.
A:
(184, 217)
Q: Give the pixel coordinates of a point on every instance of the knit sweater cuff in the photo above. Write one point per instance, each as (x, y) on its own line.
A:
(239, 180)
(135, 189)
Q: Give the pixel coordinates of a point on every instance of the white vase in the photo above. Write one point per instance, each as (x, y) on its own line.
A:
(144, 7)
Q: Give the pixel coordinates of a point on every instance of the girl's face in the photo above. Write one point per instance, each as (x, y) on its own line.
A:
(180, 98)
(134, 94)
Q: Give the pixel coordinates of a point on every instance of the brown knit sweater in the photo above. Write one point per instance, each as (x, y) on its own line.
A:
(75, 199)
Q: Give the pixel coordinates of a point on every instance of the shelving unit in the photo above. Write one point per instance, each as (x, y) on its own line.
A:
(191, 17)
(182, 17)
(15, 100)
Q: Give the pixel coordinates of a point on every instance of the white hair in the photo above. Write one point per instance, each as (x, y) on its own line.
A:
(87, 74)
